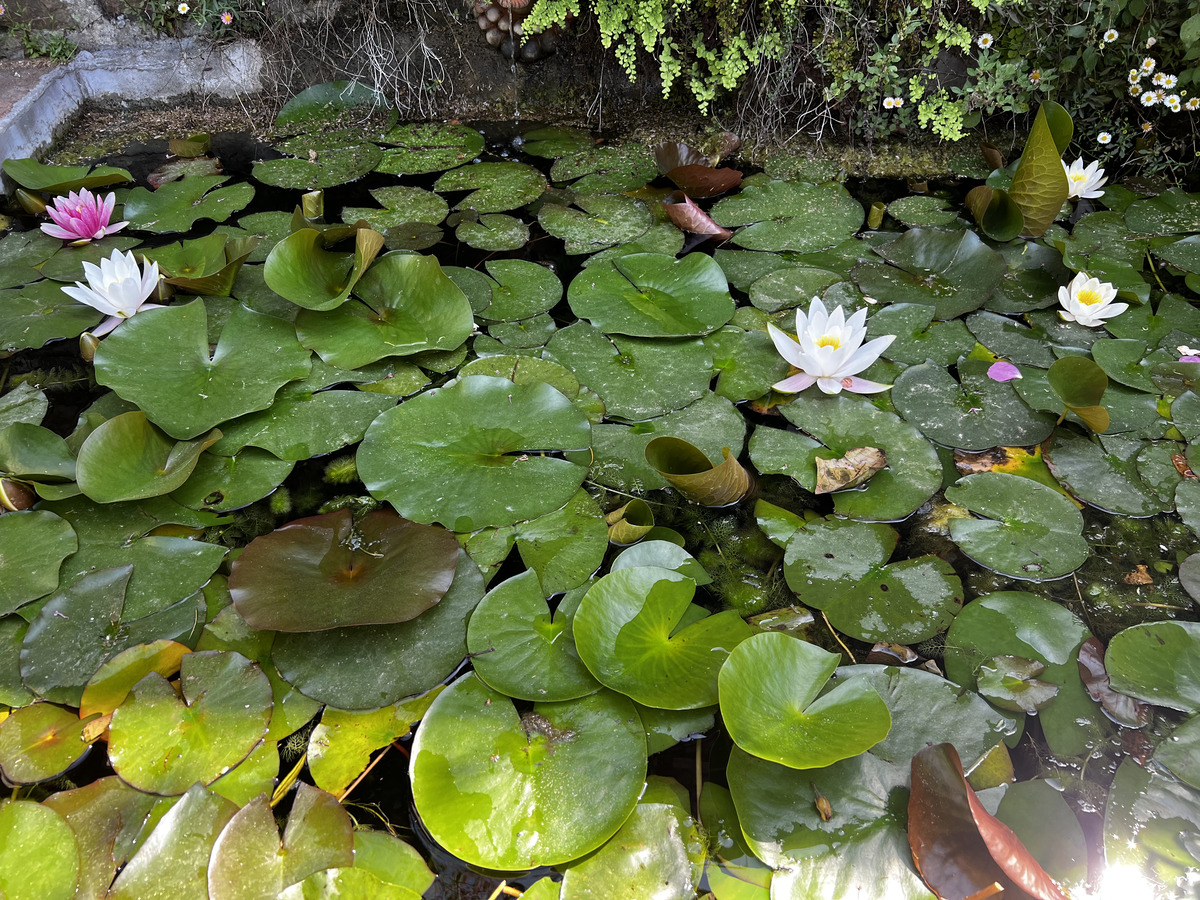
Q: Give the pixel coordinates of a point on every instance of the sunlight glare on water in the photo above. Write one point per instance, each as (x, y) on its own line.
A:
(1123, 883)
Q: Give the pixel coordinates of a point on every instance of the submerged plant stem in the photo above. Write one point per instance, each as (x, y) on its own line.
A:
(837, 637)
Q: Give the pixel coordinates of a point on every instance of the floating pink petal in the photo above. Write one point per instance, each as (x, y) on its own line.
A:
(1003, 371)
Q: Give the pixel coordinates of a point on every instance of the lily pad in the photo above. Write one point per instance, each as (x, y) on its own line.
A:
(67, 263)
(523, 650)
(323, 161)
(769, 690)
(653, 295)
(687, 469)
(35, 544)
(36, 176)
(223, 483)
(600, 221)
(974, 413)
(484, 779)
(494, 186)
(434, 147)
(953, 271)
(1158, 662)
(332, 572)
(790, 215)
(639, 633)
(555, 140)
(1031, 532)
(637, 378)
(1106, 479)
(606, 170)
(918, 337)
(474, 454)
(127, 458)
(301, 269)
(39, 742)
(373, 666)
(39, 855)
(334, 104)
(791, 287)
(837, 425)
(160, 360)
(923, 211)
(1172, 212)
(1035, 273)
(409, 306)
(401, 204)
(1010, 340)
(521, 289)
(179, 205)
(162, 743)
(1011, 683)
(39, 313)
(493, 232)
(842, 568)
(747, 361)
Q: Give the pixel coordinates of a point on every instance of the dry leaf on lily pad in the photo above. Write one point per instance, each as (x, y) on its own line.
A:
(849, 471)
(959, 848)
(690, 217)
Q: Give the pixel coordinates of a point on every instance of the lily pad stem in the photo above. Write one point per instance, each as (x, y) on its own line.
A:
(289, 779)
(1154, 272)
(837, 637)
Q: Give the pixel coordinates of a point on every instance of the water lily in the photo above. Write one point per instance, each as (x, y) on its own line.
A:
(830, 351)
(1089, 301)
(1084, 183)
(82, 217)
(118, 287)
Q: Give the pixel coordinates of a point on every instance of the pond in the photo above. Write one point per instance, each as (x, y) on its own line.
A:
(518, 510)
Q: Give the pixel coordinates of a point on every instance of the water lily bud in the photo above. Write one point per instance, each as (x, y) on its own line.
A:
(88, 343)
(31, 203)
(15, 496)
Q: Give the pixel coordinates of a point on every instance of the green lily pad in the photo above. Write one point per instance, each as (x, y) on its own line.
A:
(747, 361)
(24, 403)
(335, 104)
(606, 169)
(653, 295)
(401, 204)
(418, 149)
(555, 140)
(484, 779)
(923, 211)
(1104, 478)
(177, 206)
(639, 633)
(790, 287)
(1035, 273)
(566, 546)
(1031, 531)
(637, 378)
(790, 215)
(164, 743)
(319, 165)
(1016, 623)
(600, 221)
(1011, 683)
(409, 306)
(39, 313)
(918, 337)
(39, 742)
(1158, 662)
(269, 227)
(1127, 361)
(35, 454)
(224, 483)
(471, 455)
(974, 413)
(1103, 234)
(35, 544)
(166, 568)
(388, 661)
(660, 238)
(160, 360)
(523, 650)
(952, 271)
(1172, 212)
(838, 424)
(249, 857)
(301, 269)
(127, 458)
(39, 855)
(521, 289)
(109, 687)
(173, 859)
(619, 451)
(865, 842)
(1010, 340)
(331, 572)
(67, 263)
(494, 186)
(1183, 254)
(769, 690)
(842, 568)
(494, 232)
(86, 624)
(1179, 752)
(35, 176)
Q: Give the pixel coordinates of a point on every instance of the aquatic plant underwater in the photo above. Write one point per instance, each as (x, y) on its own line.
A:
(654, 625)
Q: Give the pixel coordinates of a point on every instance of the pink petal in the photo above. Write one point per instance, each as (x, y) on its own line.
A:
(1003, 371)
(863, 386)
(1192, 359)
(61, 233)
(795, 383)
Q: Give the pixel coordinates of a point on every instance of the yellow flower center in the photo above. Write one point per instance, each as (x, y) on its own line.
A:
(1089, 298)
(1078, 177)
(829, 340)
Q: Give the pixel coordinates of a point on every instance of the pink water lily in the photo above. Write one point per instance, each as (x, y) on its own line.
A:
(830, 351)
(82, 217)
(118, 287)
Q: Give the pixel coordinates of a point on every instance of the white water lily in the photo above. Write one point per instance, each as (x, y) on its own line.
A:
(830, 351)
(1084, 183)
(1089, 301)
(117, 287)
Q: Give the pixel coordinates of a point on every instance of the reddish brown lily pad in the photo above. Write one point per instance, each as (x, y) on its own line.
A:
(960, 849)
(1121, 708)
(330, 572)
(691, 218)
(705, 181)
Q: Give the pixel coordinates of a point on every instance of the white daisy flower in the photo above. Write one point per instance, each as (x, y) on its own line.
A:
(1158, 78)
(1104, 138)
(985, 41)
(1149, 98)
(1111, 35)
(183, 9)
(1148, 65)
(1135, 76)
(1169, 81)
(889, 102)
(899, 101)
(1194, 103)
(1172, 103)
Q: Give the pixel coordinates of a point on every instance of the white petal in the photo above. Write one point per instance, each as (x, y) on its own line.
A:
(787, 348)
(794, 384)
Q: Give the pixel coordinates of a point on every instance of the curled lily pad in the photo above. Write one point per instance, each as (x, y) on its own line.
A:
(331, 572)
(842, 568)
(160, 359)
(178, 205)
(691, 218)
(1031, 531)
(653, 295)
(789, 215)
(769, 690)
(476, 453)
(127, 458)
(689, 471)
(631, 522)
(522, 649)
(334, 104)
(36, 176)
(569, 772)
(301, 269)
(639, 633)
